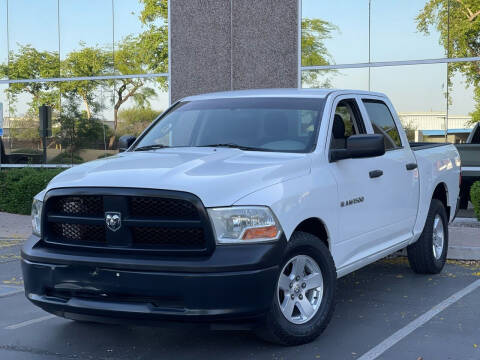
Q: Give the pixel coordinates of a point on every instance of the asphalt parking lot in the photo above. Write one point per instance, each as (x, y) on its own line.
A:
(384, 311)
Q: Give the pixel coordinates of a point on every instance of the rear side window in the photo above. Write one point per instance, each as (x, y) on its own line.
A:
(383, 123)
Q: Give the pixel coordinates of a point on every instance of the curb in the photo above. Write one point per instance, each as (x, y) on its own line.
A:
(456, 253)
(465, 222)
(463, 253)
(468, 226)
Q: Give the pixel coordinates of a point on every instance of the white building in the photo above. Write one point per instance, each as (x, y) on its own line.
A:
(431, 126)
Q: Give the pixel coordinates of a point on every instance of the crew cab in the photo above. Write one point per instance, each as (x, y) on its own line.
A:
(241, 206)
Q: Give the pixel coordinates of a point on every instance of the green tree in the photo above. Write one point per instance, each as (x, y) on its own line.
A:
(141, 54)
(314, 51)
(459, 36)
(88, 61)
(135, 120)
(154, 10)
(29, 63)
(77, 131)
(131, 58)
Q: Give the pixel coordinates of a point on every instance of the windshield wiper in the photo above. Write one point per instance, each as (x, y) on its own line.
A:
(151, 147)
(235, 146)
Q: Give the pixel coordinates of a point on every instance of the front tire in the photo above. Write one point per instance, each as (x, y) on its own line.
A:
(429, 254)
(303, 302)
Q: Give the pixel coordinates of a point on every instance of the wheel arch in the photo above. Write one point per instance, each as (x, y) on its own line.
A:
(441, 193)
(316, 227)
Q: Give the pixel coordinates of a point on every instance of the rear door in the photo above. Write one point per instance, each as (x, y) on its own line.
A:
(399, 184)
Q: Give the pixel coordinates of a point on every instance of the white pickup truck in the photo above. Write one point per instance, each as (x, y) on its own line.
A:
(241, 206)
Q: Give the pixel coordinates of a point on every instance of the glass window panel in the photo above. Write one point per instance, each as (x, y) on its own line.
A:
(137, 111)
(22, 140)
(33, 39)
(344, 31)
(418, 93)
(5, 126)
(3, 39)
(141, 43)
(346, 122)
(4, 99)
(394, 32)
(86, 37)
(464, 106)
(383, 123)
(356, 78)
(86, 123)
(455, 21)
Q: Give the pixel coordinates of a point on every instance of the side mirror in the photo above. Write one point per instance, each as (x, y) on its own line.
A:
(360, 146)
(125, 142)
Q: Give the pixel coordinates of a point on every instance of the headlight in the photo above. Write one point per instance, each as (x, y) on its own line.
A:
(37, 216)
(245, 225)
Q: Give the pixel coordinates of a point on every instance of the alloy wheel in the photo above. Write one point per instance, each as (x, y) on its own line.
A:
(300, 289)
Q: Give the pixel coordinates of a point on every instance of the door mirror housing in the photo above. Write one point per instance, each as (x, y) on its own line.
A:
(360, 146)
(125, 142)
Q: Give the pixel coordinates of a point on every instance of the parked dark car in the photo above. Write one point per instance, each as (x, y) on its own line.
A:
(18, 158)
(470, 155)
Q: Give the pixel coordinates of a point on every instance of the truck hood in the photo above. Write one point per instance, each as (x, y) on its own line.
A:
(218, 176)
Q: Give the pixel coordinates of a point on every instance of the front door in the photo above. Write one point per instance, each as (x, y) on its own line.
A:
(358, 207)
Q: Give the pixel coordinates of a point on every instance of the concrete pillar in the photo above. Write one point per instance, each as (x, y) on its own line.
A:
(219, 45)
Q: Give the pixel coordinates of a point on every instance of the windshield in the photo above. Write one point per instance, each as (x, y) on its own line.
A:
(262, 124)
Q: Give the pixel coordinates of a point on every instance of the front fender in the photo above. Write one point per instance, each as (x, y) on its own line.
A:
(298, 199)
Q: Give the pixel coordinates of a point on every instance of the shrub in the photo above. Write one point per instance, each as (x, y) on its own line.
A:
(475, 198)
(27, 151)
(66, 158)
(19, 186)
(105, 155)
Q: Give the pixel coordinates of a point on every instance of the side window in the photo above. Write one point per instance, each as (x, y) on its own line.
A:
(347, 121)
(383, 123)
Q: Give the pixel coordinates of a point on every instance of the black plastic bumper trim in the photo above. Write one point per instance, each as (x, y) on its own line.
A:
(93, 291)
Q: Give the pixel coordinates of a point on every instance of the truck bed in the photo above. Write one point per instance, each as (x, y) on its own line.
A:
(470, 155)
(435, 161)
(425, 145)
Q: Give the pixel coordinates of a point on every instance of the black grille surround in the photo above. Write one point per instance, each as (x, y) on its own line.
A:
(152, 221)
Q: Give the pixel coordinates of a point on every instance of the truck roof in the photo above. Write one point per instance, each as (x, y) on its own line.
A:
(294, 92)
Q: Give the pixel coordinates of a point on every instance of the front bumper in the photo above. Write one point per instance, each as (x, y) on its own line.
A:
(234, 282)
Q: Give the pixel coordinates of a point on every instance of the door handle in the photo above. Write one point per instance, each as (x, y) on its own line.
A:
(411, 166)
(375, 173)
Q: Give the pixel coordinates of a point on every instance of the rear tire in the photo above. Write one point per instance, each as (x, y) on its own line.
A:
(302, 322)
(428, 255)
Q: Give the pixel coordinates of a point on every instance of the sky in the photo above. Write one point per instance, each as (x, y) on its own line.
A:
(394, 36)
